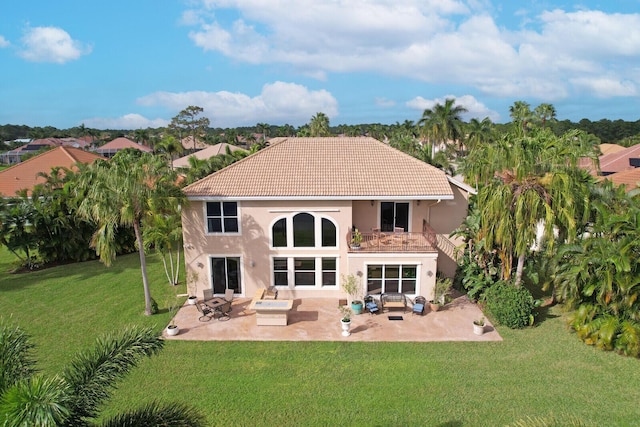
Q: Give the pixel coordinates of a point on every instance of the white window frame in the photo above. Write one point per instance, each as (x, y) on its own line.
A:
(219, 233)
(318, 271)
(317, 224)
(417, 265)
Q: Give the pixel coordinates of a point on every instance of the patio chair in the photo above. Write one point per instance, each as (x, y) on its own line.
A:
(224, 309)
(207, 294)
(370, 304)
(418, 305)
(205, 312)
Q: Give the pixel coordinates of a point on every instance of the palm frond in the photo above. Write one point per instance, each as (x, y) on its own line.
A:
(92, 374)
(158, 414)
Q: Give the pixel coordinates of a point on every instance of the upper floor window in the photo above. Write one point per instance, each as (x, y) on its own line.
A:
(304, 230)
(307, 230)
(222, 217)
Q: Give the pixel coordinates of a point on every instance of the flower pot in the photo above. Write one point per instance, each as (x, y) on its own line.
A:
(192, 300)
(434, 306)
(478, 329)
(357, 307)
(345, 328)
(172, 330)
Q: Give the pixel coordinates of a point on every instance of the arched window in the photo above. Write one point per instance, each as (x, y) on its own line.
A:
(328, 233)
(279, 231)
(303, 230)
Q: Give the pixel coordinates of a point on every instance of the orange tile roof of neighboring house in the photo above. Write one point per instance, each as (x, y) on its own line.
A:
(354, 168)
(629, 178)
(24, 175)
(187, 143)
(121, 143)
(610, 148)
(619, 161)
(213, 150)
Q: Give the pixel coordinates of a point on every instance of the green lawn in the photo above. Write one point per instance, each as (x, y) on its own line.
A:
(541, 371)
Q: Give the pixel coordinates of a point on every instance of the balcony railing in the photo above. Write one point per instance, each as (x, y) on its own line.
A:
(395, 242)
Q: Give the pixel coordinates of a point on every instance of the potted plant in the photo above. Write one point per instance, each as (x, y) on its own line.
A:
(351, 286)
(172, 306)
(192, 287)
(440, 292)
(345, 321)
(356, 239)
(478, 326)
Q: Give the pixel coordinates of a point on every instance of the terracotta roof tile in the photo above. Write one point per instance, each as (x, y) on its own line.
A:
(121, 143)
(629, 178)
(212, 150)
(619, 160)
(24, 175)
(356, 168)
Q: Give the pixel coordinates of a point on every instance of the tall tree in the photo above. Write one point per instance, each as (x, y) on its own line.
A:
(170, 146)
(545, 113)
(190, 121)
(74, 397)
(121, 192)
(442, 123)
(319, 125)
(521, 114)
(535, 181)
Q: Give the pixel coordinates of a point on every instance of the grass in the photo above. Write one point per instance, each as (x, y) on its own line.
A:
(537, 372)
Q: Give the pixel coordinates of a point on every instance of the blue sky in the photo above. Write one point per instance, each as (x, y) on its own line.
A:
(136, 64)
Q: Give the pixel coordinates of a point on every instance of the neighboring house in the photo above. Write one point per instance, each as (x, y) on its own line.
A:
(16, 156)
(187, 144)
(618, 161)
(24, 175)
(212, 150)
(630, 179)
(284, 217)
(112, 147)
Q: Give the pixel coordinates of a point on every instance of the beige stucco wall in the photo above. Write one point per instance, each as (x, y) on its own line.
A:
(253, 243)
(444, 218)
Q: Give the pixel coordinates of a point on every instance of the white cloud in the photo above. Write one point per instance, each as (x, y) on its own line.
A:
(51, 44)
(4, 42)
(278, 102)
(128, 121)
(547, 57)
(384, 102)
(475, 108)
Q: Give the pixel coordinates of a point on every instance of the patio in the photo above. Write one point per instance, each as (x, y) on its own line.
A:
(318, 319)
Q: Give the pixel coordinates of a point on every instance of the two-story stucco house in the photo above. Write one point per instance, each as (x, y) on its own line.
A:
(284, 217)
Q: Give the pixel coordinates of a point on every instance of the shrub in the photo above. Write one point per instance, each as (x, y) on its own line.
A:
(510, 305)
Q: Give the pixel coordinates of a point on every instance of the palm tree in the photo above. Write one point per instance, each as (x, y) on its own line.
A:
(74, 397)
(163, 232)
(535, 180)
(442, 123)
(544, 113)
(171, 147)
(520, 113)
(599, 276)
(319, 125)
(141, 136)
(120, 192)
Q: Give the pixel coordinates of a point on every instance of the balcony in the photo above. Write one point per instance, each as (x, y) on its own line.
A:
(385, 242)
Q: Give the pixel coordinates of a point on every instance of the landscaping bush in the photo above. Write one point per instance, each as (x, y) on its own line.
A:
(510, 305)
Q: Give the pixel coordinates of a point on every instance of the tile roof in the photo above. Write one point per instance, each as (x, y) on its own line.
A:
(610, 148)
(210, 151)
(619, 161)
(24, 175)
(297, 168)
(121, 143)
(187, 143)
(628, 178)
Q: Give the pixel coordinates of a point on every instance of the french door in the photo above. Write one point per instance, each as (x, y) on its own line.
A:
(394, 214)
(225, 274)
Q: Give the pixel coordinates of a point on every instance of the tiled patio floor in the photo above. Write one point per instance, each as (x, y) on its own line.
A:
(318, 319)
